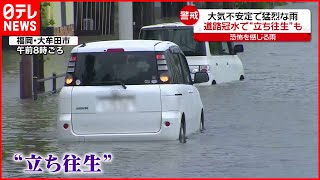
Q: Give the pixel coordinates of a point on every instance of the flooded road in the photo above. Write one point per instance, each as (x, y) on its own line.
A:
(265, 126)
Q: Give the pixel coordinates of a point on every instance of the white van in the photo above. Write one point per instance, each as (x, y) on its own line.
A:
(218, 59)
(129, 90)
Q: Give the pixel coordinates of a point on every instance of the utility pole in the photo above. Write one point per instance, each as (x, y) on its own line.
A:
(26, 76)
(38, 60)
(38, 70)
(125, 21)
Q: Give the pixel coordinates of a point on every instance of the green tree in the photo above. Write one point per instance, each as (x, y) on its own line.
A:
(38, 60)
(45, 21)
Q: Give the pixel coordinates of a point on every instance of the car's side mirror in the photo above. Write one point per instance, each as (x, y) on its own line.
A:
(238, 48)
(200, 77)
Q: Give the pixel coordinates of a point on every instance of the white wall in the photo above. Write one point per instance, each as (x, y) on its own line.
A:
(69, 13)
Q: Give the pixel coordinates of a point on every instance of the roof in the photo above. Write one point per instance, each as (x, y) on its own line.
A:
(174, 24)
(127, 45)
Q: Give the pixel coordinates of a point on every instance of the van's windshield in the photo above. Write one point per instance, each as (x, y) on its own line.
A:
(182, 37)
(128, 68)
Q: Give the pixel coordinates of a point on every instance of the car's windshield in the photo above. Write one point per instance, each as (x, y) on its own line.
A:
(182, 37)
(103, 68)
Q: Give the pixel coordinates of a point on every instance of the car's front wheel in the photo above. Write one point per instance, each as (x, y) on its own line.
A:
(182, 133)
(202, 122)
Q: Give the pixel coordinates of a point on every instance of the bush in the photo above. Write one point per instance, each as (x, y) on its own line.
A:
(45, 21)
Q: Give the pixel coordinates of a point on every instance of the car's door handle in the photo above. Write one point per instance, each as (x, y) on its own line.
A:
(190, 91)
(178, 94)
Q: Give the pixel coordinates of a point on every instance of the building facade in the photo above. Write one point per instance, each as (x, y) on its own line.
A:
(101, 18)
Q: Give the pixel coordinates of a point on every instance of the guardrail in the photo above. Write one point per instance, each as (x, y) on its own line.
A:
(54, 84)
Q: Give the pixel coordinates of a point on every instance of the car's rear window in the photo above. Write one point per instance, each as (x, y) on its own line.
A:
(131, 68)
(183, 37)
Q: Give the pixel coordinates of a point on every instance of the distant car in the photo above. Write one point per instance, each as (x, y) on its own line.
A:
(218, 59)
(129, 90)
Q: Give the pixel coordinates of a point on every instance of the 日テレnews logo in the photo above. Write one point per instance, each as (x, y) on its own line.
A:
(20, 18)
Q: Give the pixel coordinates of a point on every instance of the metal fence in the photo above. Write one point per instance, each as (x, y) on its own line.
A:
(36, 82)
(94, 18)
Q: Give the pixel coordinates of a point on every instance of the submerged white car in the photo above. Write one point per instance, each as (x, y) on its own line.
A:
(218, 59)
(129, 90)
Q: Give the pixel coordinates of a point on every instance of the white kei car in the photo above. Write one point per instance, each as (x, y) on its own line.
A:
(129, 90)
(218, 59)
